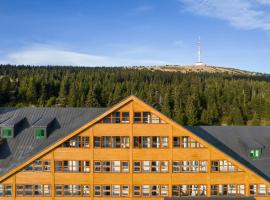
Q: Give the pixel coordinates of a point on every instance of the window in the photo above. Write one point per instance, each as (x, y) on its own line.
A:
(97, 190)
(33, 190)
(85, 166)
(40, 133)
(164, 191)
(147, 117)
(116, 142)
(46, 166)
(146, 142)
(150, 190)
(227, 189)
(176, 166)
(97, 166)
(116, 117)
(5, 190)
(145, 190)
(165, 142)
(125, 191)
(116, 190)
(47, 190)
(97, 141)
(223, 166)
(58, 190)
(255, 153)
(38, 190)
(188, 190)
(186, 142)
(125, 117)
(261, 189)
(111, 166)
(116, 166)
(176, 141)
(155, 190)
(111, 190)
(125, 166)
(7, 132)
(72, 166)
(164, 166)
(150, 142)
(77, 142)
(137, 166)
(38, 165)
(72, 190)
(111, 142)
(86, 190)
(136, 190)
(106, 166)
(258, 190)
(19, 190)
(155, 166)
(150, 166)
(145, 166)
(190, 166)
(28, 190)
(106, 190)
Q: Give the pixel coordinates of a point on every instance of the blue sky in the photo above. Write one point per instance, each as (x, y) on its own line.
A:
(234, 33)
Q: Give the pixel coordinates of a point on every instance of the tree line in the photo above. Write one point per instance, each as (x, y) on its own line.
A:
(189, 99)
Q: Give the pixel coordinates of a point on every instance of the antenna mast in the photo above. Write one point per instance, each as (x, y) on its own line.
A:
(199, 61)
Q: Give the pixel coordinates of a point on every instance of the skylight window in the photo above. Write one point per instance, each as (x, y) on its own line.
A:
(255, 153)
(6, 132)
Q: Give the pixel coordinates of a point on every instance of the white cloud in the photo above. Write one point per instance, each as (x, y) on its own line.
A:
(245, 14)
(40, 54)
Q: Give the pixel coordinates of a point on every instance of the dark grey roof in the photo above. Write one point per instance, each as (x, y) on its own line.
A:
(43, 122)
(12, 121)
(236, 141)
(24, 146)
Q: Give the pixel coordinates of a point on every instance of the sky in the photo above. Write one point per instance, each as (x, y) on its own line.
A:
(234, 33)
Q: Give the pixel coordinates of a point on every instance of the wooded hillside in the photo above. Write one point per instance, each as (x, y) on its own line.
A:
(190, 99)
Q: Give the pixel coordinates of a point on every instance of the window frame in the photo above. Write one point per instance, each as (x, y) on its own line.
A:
(255, 153)
(117, 117)
(71, 188)
(81, 167)
(7, 132)
(40, 133)
(6, 190)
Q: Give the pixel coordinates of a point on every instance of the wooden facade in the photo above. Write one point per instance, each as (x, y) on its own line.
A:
(151, 182)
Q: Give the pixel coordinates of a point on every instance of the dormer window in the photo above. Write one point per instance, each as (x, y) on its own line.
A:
(255, 153)
(6, 132)
(40, 133)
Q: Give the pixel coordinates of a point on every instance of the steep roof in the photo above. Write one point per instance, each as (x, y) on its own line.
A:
(237, 141)
(24, 146)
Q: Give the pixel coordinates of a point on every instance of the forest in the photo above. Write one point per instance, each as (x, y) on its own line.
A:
(189, 99)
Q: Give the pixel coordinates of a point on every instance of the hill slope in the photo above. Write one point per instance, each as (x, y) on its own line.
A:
(227, 98)
(196, 69)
